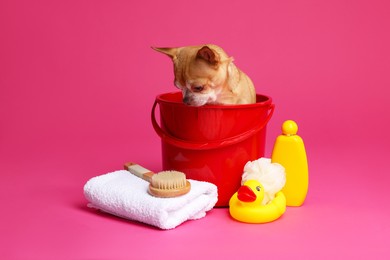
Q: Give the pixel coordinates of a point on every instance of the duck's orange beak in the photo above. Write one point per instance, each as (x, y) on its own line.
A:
(246, 194)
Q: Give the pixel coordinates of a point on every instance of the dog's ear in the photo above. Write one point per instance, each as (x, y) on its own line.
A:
(207, 54)
(171, 52)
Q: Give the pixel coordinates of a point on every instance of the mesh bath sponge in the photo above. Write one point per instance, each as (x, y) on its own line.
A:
(271, 175)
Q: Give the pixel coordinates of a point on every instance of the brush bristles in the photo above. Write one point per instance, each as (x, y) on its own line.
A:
(169, 180)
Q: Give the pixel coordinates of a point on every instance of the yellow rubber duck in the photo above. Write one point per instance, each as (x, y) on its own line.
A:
(245, 204)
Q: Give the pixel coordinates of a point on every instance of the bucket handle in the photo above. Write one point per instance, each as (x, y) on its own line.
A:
(207, 145)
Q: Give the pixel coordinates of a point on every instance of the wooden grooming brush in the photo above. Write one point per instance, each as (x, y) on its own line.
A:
(165, 184)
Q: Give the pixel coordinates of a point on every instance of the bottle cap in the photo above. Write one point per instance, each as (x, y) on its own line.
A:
(289, 127)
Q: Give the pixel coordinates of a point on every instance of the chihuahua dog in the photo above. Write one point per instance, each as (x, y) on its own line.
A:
(206, 75)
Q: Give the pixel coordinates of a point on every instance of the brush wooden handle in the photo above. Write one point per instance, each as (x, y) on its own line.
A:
(139, 171)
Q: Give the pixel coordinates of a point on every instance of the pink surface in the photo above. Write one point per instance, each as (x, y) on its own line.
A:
(77, 82)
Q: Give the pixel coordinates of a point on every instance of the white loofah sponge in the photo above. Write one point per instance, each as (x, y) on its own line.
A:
(271, 175)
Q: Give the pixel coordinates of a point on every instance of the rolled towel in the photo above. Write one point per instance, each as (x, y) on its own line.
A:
(122, 194)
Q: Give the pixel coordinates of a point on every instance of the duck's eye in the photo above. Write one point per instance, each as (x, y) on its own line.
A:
(258, 188)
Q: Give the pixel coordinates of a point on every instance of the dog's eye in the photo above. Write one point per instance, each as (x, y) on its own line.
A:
(197, 88)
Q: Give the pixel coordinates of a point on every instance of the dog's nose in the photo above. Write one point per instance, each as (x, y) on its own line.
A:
(197, 88)
(186, 100)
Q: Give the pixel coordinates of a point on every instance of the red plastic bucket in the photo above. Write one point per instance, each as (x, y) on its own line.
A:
(211, 143)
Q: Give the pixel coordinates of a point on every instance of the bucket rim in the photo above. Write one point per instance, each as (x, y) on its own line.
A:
(267, 101)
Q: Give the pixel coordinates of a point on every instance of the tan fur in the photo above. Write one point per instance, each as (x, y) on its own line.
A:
(207, 75)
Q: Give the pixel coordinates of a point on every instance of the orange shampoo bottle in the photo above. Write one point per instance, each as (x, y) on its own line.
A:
(289, 151)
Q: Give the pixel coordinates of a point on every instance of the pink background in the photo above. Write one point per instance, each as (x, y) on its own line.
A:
(77, 82)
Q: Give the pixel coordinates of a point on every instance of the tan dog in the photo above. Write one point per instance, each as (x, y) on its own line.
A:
(206, 75)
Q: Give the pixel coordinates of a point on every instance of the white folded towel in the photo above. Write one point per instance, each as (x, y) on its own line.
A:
(124, 195)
